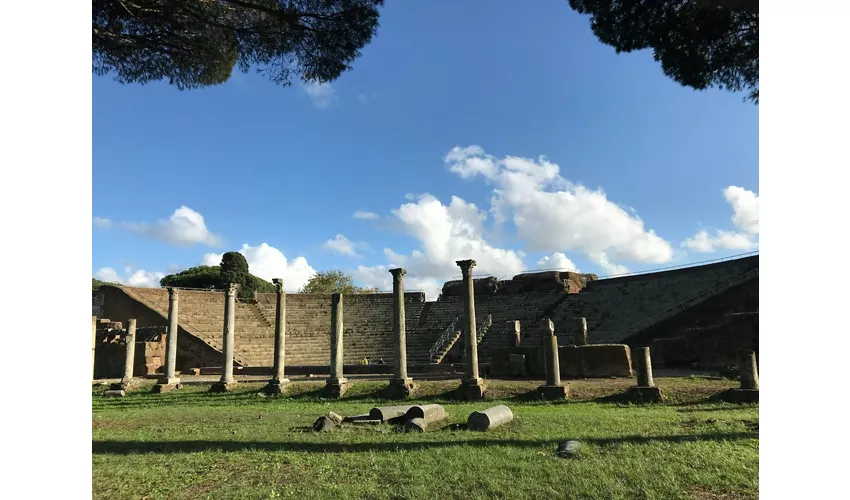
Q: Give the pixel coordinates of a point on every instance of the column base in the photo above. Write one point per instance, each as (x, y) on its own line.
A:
(742, 395)
(554, 392)
(222, 386)
(275, 387)
(336, 388)
(168, 385)
(644, 394)
(471, 389)
(400, 388)
(123, 386)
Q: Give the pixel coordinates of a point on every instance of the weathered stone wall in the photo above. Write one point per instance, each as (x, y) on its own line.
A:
(591, 361)
(110, 352)
(713, 346)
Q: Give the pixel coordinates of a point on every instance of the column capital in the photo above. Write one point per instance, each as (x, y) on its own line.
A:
(466, 267)
(231, 288)
(336, 298)
(278, 283)
(172, 292)
(398, 272)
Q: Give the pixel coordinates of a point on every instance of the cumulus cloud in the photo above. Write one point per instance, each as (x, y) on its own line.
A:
(267, 262)
(322, 94)
(557, 261)
(745, 205)
(343, 246)
(611, 268)
(136, 278)
(446, 233)
(101, 222)
(553, 214)
(729, 240)
(185, 227)
(363, 215)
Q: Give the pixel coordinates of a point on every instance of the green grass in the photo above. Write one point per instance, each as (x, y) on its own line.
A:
(189, 444)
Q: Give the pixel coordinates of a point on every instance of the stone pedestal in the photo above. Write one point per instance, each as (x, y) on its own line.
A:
(336, 388)
(400, 388)
(517, 365)
(514, 333)
(279, 382)
(471, 389)
(554, 392)
(170, 381)
(645, 391)
(553, 389)
(167, 385)
(275, 387)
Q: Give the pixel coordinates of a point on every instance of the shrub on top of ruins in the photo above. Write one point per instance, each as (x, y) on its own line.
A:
(333, 282)
(209, 277)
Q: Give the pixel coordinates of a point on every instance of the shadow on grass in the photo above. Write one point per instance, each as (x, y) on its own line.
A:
(176, 447)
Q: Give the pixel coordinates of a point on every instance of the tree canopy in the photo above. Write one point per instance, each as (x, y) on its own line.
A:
(197, 43)
(208, 277)
(333, 282)
(699, 43)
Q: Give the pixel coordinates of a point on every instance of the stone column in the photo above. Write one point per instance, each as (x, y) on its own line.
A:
(401, 385)
(514, 333)
(170, 381)
(93, 343)
(129, 356)
(336, 384)
(580, 331)
(553, 389)
(645, 390)
(472, 387)
(277, 385)
(227, 341)
(748, 370)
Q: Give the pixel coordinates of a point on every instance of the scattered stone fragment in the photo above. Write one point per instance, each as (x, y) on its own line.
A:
(337, 419)
(568, 449)
(415, 425)
(324, 424)
(386, 413)
(115, 394)
(489, 418)
(419, 417)
(356, 418)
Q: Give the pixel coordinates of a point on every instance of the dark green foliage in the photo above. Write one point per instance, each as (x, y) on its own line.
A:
(197, 43)
(209, 277)
(96, 283)
(333, 282)
(234, 269)
(699, 43)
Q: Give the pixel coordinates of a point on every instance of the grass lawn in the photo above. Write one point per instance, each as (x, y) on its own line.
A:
(189, 444)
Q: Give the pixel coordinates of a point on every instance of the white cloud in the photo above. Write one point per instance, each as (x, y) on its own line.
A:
(185, 227)
(362, 214)
(729, 240)
(552, 214)
(557, 261)
(101, 222)
(609, 267)
(446, 234)
(268, 262)
(746, 206)
(343, 246)
(322, 94)
(137, 278)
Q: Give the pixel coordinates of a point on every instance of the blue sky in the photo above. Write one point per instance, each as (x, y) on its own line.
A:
(289, 167)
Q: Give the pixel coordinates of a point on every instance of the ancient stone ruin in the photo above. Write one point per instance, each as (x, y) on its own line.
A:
(486, 326)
